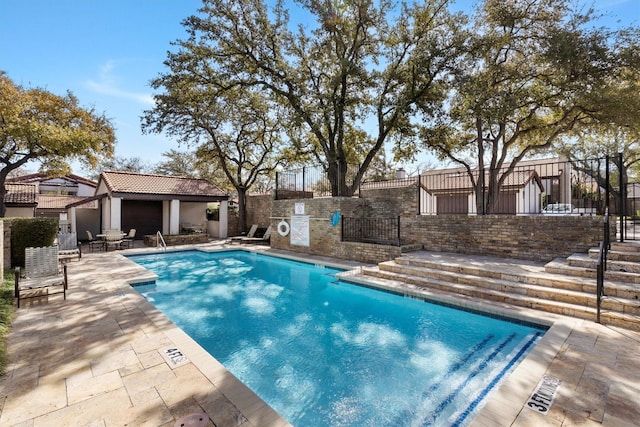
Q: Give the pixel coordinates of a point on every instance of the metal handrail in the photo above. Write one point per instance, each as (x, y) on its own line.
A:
(601, 264)
(159, 239)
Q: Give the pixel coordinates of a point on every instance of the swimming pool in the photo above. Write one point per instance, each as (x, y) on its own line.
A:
(325, 352)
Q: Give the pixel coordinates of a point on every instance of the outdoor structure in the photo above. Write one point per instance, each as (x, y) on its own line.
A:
(21, 200)
(531, 186)
(51, 198)
(152, 203)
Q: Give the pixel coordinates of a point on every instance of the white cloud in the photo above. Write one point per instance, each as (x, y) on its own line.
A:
(107, 84)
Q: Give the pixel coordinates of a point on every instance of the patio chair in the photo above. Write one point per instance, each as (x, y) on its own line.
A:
(41, 273)
(94, 243)
(128, 239)
(264, 239)
(113, 238)
(250, 234)
(68, 247)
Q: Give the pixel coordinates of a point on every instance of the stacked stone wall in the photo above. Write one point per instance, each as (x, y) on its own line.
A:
(536, 237)
(259, 207)
(539, 238)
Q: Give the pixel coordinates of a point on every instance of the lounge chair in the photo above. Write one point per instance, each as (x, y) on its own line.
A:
(250, 234)
(41, 273)
(128, 239)
(68, 247)
(264, 239)
(94, 243)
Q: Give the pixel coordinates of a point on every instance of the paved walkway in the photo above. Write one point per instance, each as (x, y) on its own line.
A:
(106, 357)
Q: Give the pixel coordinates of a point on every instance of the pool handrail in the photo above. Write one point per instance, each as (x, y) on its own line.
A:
(160, 241)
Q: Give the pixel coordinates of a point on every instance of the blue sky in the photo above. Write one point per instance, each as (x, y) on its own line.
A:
(107, 51)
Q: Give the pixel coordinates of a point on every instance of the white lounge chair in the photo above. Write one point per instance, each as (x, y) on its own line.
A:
(250, 234)
(41, 273)
(68, 247)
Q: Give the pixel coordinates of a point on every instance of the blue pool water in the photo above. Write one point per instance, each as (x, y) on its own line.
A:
(323, 352)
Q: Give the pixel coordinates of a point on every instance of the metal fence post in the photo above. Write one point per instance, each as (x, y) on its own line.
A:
(304, 188)
(623, 197)
(419, 194)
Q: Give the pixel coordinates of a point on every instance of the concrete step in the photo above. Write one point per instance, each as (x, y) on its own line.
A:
(629, 246)
(586, 261)
(616, 255)
(530, 296)
(515, 271)
(619, 278)
(585, 296)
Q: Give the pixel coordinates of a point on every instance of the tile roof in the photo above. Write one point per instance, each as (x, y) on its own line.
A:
(459, 180)
(40, 177)
(20, 194)
(61, 202)
(135, 183)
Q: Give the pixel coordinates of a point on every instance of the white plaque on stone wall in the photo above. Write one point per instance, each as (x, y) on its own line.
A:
(300, 230)
(298, 208)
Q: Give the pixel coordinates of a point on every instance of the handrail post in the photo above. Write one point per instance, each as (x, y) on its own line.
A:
(623, 198)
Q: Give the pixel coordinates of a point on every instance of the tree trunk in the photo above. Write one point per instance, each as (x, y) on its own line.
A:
(3, 193)
(242, 209)
(337, 175)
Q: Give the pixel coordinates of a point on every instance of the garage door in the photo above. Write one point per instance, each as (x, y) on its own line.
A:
(453, 204)
(143, 215)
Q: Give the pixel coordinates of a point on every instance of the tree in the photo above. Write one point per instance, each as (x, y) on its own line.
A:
(178, 163)
(238, 131)
(356, 66)
(119, 163)
(38, 125)
(534, 71)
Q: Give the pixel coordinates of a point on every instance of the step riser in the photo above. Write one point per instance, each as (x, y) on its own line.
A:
(587, 300)
(518, 300)
(486, 283)
(577, 311)
(612, 265)
(473, 271)
(615, 276)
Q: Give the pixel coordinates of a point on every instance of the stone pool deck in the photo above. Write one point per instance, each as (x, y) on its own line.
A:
(106, 357)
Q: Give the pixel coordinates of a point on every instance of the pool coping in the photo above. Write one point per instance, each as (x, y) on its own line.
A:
(502, 406)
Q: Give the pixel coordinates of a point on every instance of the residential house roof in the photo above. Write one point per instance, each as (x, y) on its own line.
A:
(40, 177)
(129, 185)
(61, 202)
(20, 195)
(458, 180)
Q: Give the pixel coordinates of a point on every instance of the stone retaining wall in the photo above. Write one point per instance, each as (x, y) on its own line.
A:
(539, 238)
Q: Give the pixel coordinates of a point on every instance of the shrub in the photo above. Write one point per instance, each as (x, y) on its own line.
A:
(30, 232)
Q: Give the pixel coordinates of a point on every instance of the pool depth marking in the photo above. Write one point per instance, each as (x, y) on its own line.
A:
(542, 397)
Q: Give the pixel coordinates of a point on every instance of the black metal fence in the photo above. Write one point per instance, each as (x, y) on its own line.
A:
(309, 182)
(384, 231)
(547, 187)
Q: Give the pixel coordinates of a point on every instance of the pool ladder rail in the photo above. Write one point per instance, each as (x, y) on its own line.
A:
(160, 241)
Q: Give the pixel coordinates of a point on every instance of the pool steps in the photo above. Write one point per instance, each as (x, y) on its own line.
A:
(562, 286)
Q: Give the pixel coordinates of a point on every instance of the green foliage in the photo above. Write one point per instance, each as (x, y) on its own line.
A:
(7, 311)
(532, 73)
(341, 87)
(30, 232)
(38, 125)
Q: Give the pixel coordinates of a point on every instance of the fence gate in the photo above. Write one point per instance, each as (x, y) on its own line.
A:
(631, 224)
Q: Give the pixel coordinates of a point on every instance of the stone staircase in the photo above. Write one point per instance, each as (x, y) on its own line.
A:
(562, 286)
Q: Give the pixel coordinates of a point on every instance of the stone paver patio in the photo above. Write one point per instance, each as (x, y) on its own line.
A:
(104, 357)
